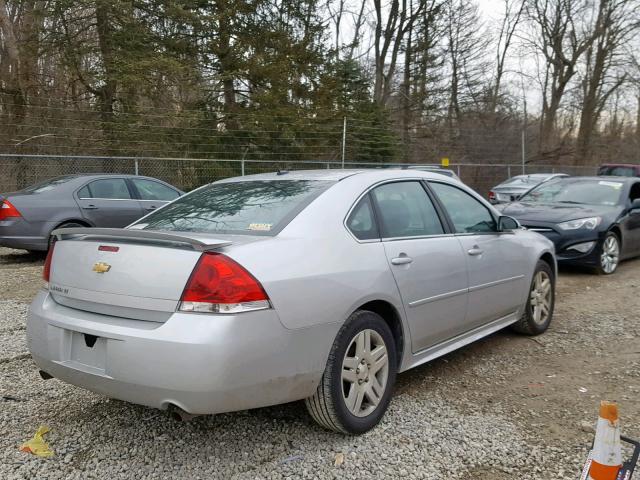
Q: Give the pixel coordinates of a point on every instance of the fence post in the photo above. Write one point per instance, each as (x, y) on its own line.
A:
(242, 166)
(508, 171)
(136, 167)
(344, 140)
(458, 169)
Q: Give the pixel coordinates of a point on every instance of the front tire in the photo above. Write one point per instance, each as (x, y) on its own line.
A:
(609, 255)
(357, 383)
(538, 311)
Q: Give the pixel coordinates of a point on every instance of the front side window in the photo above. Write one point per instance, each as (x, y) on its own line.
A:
(467, 213)
(108, 188)
(253, 207)
(362, 221)
(406, 210)
(150, 190)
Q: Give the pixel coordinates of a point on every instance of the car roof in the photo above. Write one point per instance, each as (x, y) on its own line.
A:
(338, 174)
(602, 178)
(633, 165)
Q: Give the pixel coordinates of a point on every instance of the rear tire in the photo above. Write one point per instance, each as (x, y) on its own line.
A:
(64, 225)
(538, 310)
(357, 383)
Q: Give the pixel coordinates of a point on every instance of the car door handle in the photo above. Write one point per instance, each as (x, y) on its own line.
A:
(475, 251)
(401, 260)
(90, 207)
(150, 208)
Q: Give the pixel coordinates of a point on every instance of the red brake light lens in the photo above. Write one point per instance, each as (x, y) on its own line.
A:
(492, 196)
(218, 284)
(46, 271)
(7, 210)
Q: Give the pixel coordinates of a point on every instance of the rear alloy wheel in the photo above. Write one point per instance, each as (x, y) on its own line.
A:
(610, 255)
(356, 386)
(64, 225)
(538, 311)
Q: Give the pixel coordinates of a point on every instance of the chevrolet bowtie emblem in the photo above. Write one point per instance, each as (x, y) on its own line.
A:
(101, 267)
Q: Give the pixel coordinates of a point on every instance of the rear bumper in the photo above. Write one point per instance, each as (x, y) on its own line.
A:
(24, 243)
(202, 363)
(18, 233)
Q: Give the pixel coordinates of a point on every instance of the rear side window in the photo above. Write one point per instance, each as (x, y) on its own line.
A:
(362, 221)
(406, 210)
(467, 213)
(108, 188)
(618, 171)
(246, 207)
(150, 190)
(48, 185)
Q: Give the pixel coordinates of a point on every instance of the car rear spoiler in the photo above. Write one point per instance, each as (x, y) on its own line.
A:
(197, 242)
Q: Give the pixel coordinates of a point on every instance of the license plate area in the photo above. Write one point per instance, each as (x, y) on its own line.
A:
(88, 352)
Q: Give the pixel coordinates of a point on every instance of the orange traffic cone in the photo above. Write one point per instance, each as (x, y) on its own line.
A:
(606, 456)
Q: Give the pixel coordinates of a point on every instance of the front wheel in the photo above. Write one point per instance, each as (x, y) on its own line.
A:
(538, 311)
(356, 386)
(609, 255)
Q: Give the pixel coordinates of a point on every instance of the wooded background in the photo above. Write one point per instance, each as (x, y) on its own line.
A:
(416, 80)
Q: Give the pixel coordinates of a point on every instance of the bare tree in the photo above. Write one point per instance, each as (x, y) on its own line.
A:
(603, 64)
(390, 29)
(562, 39)
(512, 15)
(466, 49)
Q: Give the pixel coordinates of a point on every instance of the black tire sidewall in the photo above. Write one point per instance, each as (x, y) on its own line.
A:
(64, 225)
(534, 327)
(361, 320)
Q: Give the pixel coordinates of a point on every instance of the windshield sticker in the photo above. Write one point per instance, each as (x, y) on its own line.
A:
(616, 185)
(261, 227)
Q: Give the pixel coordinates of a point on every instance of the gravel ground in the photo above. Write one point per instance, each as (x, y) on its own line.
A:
(506, 407)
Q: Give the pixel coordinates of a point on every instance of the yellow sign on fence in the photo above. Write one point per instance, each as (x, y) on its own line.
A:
(445, 161)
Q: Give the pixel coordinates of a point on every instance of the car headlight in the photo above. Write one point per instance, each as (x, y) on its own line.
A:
(589, 223)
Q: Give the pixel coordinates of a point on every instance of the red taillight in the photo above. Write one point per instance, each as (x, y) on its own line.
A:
(220, 285)
(46, 271)
(492, 195)
(7, 210)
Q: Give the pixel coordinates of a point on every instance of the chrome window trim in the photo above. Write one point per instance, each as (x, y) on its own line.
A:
(417, 237)
(113, 199)
(385, 239)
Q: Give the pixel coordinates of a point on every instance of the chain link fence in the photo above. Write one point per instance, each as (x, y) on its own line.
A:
(19, 171)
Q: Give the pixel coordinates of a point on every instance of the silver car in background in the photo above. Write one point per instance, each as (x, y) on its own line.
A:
(512, 189)
(265, 289)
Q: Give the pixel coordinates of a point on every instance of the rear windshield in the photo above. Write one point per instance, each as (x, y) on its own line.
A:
(576, 191)
(251, 207)
(522, 181)
(48, 184)
(618, 171)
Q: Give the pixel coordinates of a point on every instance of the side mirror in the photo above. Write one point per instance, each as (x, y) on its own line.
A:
(507, 224)
(635, 205)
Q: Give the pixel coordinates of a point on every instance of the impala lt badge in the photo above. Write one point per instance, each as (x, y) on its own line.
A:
(101, 267)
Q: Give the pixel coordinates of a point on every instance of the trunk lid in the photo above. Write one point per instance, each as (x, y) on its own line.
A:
(126, 273)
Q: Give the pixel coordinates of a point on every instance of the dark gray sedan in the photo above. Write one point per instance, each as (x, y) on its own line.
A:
(28, 217)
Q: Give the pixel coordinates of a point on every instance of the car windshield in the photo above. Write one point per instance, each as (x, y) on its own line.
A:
(574, 191)
(255, 207)
(48, 184)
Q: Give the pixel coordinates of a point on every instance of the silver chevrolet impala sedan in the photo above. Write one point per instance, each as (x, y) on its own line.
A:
(265, 289)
